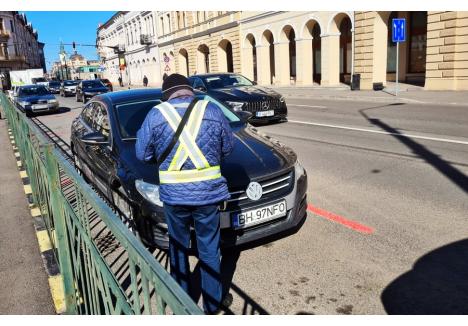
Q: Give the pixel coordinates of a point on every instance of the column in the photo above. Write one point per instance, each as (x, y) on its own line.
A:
(263, 64)
(247, 63)
(304, 61)
(331, 59)
(282, 76)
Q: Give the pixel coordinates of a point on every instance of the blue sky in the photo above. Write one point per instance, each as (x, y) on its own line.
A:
(78, 26)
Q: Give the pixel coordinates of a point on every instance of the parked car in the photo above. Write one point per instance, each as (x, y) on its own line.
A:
(68, 87)
(103, 140)
(86, 89)
(35, 99)
(107, 83)
(54, 87)
(241, 94)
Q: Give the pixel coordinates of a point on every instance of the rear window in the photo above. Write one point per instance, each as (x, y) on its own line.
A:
(70, 82)
(39, 90)
(93, 84)
(55, 84)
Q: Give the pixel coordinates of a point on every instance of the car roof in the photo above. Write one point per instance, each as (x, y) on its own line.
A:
(132, 95)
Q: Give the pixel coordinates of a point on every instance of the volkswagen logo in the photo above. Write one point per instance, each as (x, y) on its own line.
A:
(265, 105)
(254, 191)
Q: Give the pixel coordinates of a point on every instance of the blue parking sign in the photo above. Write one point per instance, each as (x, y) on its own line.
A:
(398, 30)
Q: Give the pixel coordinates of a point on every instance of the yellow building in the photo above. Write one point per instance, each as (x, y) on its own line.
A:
(321, 48)
(435, 54)
(199, 41)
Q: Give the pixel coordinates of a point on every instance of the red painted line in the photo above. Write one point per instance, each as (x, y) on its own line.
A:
(339, 219)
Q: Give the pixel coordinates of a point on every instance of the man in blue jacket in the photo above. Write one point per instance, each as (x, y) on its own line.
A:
(191, 184)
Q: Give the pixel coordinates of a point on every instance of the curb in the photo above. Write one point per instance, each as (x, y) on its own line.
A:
(45, 245)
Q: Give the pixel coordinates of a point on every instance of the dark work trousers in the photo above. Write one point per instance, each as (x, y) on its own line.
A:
(206, 223)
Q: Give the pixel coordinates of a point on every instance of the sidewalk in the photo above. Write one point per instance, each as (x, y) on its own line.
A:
(406, 94)
(24, 284)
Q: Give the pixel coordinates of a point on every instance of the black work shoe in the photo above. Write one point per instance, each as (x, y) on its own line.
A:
(225, 304)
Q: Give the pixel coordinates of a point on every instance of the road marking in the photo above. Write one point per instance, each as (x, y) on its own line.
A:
(445, 140)
(44, 240)
(58, 294)
(339, 219)
(309, 106)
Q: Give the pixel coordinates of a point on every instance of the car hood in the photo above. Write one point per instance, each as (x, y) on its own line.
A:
(34, 98)
(243, 93)
(255, 155)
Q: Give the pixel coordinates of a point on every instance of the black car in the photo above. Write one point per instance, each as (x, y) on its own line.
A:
(241, 94)
(86, 89)
(68, 87)
(35, 99)
(54, 87)
(103, 140)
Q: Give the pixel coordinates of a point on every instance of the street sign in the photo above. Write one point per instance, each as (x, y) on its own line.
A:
(398, 36)
(398, 30)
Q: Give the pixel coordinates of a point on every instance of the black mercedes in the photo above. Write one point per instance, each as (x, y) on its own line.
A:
(241, 94)
(103, 140)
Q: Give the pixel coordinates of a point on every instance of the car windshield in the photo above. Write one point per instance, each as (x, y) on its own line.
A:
(131, 115)
(222, 81)
(54, 84)
(92, 84)
(39, 90)
(70, 83)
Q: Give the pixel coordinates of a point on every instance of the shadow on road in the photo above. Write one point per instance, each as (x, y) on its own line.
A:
(452, 173)
(437, 284)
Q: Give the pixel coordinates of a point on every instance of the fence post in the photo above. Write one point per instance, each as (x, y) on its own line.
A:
(61, 240)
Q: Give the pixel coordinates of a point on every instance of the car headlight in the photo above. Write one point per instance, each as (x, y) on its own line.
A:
(282, 99)
(149, 191)
(299, 169)
(236, 106)
(24, 103)
(53, 101)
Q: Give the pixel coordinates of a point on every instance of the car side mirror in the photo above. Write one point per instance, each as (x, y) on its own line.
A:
(94, 138)
(201, 89)
(244, 115)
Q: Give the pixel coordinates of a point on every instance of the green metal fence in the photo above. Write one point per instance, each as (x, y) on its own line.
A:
(105, 268)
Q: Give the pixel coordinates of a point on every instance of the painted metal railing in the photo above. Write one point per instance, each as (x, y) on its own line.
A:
(105, 268)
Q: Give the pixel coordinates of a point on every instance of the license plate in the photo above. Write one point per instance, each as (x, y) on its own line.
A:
(268, 113)
(39, 106)
(259, 215)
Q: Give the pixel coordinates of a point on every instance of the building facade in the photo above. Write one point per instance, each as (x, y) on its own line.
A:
(320, 48)
(19, 46)
(434, 55)
(127, 46)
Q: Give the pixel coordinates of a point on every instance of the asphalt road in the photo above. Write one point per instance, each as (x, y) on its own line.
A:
(387, 227)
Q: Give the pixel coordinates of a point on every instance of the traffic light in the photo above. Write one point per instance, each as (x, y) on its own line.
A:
(74, 45)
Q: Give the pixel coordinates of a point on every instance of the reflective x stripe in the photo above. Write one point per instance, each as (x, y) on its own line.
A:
(193, 125)
(189, 175)
(186, 139)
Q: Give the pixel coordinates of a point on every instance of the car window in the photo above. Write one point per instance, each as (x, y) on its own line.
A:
(92, 84)
(221, 81)
(100, 119)
(29, 91)
(130, 116)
